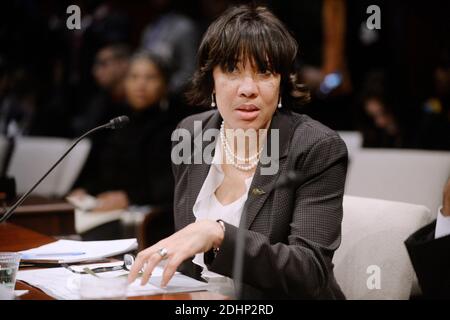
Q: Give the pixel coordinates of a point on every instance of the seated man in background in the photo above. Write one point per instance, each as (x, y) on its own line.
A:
(134, 166)
(109, 70)
(429, 250)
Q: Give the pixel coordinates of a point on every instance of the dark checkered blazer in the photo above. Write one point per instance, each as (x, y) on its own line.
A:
(290, 234)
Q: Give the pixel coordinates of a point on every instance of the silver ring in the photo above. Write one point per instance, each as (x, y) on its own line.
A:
(162, 252)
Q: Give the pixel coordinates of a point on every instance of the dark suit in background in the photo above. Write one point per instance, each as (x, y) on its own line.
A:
(431, 260)
(290, 235)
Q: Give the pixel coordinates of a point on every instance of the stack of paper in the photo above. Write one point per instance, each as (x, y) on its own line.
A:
(63, 284)
(71, 251)
(87, 220)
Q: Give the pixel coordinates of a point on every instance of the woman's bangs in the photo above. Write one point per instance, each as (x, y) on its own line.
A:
(250, 46)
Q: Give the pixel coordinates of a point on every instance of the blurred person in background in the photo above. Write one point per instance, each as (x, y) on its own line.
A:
(175, 37)
(109, 70)
(103, 23)
(134, 166)
(379, 120)
(26, 109)
(321, 27)
(434, 129)
(17, 100)
(33, 100)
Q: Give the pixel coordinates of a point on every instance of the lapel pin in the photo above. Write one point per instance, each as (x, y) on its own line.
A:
(257, 191)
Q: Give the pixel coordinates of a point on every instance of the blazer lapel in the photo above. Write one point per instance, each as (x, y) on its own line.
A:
(197, 173)
(263, 185)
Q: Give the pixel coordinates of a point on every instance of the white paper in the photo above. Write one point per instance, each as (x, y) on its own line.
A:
(92, 250)
(19, 293)
(61, 283)
(80, 268)
(86, 220)
(83, 202)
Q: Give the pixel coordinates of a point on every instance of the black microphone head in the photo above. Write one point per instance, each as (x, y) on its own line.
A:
(118, 122)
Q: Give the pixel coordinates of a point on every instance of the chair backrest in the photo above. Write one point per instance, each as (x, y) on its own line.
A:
(353, 140)
(399, 175)
(372, 250)
(33, 156)
(73, 164)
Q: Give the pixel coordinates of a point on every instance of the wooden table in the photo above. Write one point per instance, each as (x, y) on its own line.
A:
(17, 238)
(52, 217)
(56, 217)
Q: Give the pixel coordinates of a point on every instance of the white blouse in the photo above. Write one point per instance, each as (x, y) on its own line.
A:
(208, 207)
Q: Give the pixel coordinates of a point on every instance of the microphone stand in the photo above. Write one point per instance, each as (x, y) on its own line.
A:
(10, 211)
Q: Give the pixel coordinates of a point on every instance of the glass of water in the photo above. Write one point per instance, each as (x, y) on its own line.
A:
(9, 264)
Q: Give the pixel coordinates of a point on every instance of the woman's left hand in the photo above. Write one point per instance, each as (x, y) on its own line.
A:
(195, 238)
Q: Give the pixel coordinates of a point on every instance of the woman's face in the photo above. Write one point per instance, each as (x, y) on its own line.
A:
(245, 97)
(144, 84)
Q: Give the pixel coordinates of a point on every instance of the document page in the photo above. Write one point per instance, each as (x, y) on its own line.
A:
(71, 251)
(63, 284)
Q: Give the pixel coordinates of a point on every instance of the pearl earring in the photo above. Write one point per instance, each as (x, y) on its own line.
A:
(279, 103)
(213, 102)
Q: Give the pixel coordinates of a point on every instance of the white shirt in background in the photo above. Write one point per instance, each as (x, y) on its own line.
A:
(442, 225)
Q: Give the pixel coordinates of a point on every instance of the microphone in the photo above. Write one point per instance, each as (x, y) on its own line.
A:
(118, 122)
(115, 123)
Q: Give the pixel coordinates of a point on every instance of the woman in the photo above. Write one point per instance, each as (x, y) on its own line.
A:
(134, 163)
(246, 71)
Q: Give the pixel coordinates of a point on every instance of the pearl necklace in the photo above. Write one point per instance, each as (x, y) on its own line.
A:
(233, 158)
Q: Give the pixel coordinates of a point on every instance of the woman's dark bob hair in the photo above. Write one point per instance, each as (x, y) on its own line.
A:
(252, 34)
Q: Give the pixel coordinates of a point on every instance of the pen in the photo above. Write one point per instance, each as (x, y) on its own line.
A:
(54, 254)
